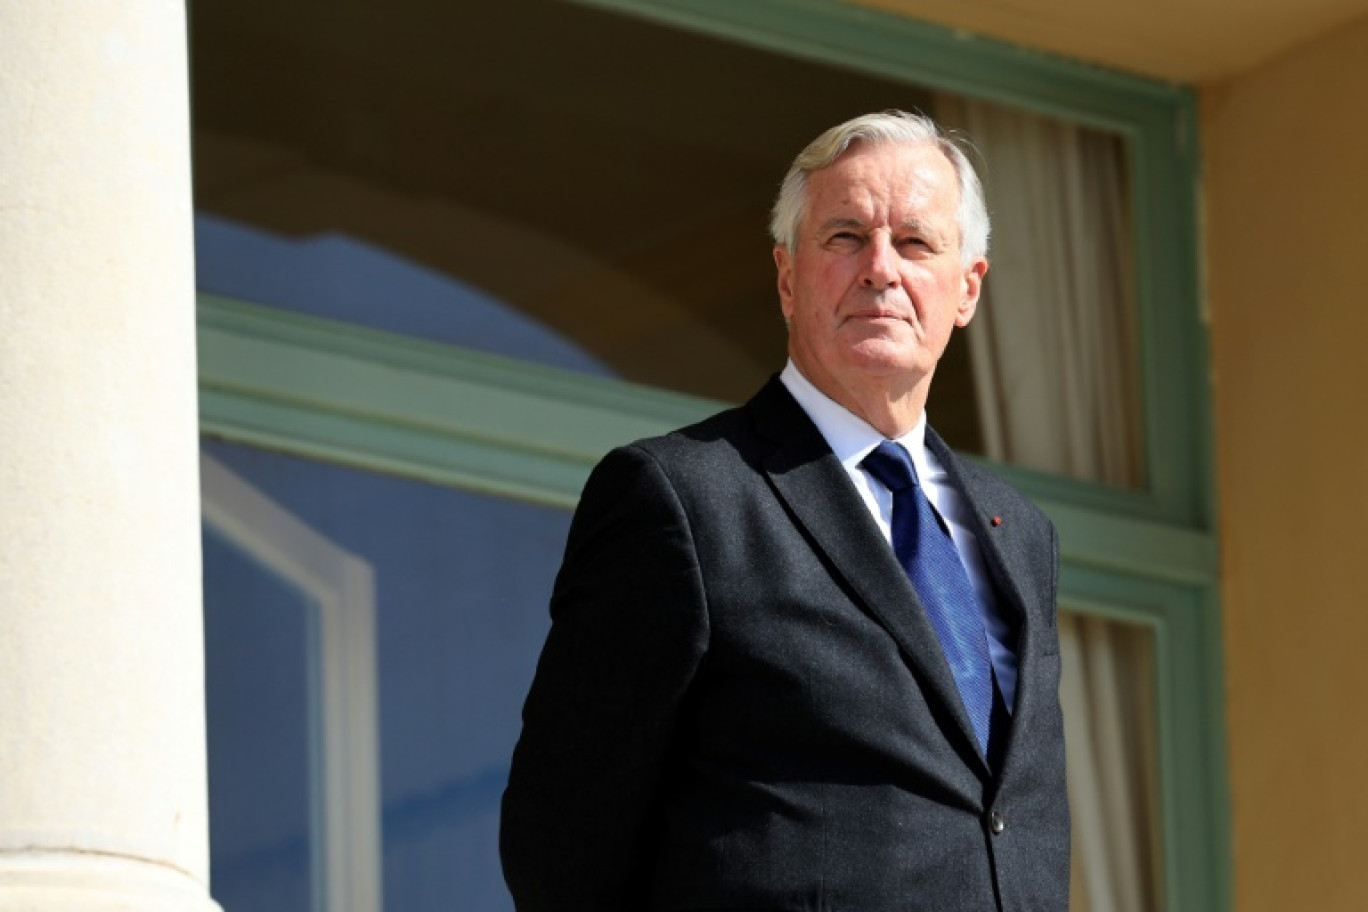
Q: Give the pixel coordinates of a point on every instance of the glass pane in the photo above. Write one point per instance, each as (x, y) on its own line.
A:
(601, 203)
(462, 582)
(578, 168)
(1054, 345)
(1107, 690)
(260, 701)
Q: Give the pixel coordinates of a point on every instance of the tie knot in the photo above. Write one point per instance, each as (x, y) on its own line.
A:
(891, 464)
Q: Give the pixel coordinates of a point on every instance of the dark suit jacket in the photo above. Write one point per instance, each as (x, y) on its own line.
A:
(742, 705)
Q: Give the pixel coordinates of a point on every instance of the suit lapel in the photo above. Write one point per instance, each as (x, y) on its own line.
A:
(983, 509)
(815, 486)
(1007, 586)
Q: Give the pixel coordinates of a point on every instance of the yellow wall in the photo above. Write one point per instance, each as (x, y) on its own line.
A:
(1286, 152)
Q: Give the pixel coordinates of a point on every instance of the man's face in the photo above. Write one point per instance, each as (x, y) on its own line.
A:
(874, 284)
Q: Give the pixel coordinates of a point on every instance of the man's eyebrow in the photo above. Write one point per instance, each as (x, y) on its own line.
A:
(923, 228)
(840, 222)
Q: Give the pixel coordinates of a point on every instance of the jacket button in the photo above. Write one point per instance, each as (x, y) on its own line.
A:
(996, 823)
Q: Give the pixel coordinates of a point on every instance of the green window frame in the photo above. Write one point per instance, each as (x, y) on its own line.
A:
(1149, 556)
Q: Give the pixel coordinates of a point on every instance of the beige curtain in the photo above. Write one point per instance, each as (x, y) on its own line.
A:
(1054, 356)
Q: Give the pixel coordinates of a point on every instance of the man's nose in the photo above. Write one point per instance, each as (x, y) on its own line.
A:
(880, 264)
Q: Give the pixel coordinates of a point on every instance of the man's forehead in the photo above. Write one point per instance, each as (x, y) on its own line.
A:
(908, 182)
(897, 157)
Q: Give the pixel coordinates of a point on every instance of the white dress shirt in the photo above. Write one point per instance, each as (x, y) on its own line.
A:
(852, 439)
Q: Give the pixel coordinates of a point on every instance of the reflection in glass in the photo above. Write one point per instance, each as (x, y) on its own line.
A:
(260, 699)
(627, 215)
(462, 581)
(341, 278)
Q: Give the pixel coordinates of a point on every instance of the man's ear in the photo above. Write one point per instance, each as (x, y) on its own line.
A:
(783, 264)
(973, 287)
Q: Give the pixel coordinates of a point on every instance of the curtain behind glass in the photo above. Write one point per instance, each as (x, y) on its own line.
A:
(1054, 343)
(1054, 354)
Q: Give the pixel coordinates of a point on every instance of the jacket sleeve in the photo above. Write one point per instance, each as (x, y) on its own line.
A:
(628, 630)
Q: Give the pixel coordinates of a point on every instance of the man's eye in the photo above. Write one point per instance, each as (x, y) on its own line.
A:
(844, 239)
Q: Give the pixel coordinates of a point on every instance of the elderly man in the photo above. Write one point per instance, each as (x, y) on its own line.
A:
(802, 656)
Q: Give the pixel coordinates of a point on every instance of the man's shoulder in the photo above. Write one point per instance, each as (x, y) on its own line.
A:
(734, 433)
(723, 430)
(720, 446)
(723, 455)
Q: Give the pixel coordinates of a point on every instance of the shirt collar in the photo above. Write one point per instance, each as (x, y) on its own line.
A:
(852, 438)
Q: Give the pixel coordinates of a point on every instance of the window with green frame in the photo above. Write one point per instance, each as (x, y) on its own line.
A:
(1144, 556)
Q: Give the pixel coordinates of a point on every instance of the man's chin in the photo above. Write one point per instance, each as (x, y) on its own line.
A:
(883, 356)
(869, 362)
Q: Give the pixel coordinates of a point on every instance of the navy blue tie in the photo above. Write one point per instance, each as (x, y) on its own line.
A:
(928, 555)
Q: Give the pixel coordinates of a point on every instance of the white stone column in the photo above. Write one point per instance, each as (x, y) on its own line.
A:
(102, 760)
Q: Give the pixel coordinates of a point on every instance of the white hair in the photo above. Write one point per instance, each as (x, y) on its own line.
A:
(883, 128)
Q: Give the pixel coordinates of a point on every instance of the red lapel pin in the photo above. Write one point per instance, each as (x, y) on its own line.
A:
(996, 521)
